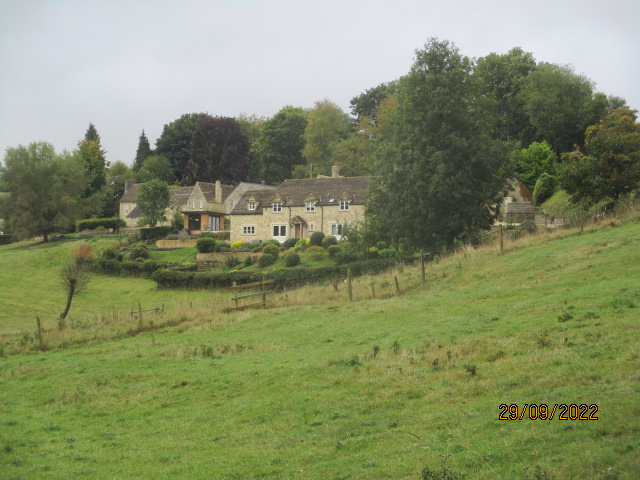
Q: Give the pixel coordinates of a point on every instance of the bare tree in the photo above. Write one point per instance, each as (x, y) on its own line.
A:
(74, 279)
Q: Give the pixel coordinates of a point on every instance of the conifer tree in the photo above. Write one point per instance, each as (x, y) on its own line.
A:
(144, 151)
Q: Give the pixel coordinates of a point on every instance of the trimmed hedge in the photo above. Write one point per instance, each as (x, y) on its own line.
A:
(147, 234)
(206, 244)
(92, 223)
(210, 280)
(113, 266)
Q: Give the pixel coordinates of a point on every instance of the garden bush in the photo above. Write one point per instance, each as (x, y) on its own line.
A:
(271, 250)
(346, 254)
(172, 236)
(232, 262)
(292, 259)
(270, 241)
(6, 239)
(248, 261)
(139, 252)
(206, 245)
(266, 260)
(329, 240)
(93, 223)
(333, 250)
(372, 253)
(316, 239)
(148, 234)
(302, 244)
(290, 243)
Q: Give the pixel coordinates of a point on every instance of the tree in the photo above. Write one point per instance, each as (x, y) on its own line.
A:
(560, 105)
(251, 126)
(93, 156)
(117, 175)
(327, 125)
(143, 151)
(441, 173)
(176, 142)
(280, 144)
(610, 166)
(220, 151)
(501, 80)
(91, 135)
(45, 189)
(74, 279)
(153, 199)
(366, 104)
(155, 166)
(533, 161)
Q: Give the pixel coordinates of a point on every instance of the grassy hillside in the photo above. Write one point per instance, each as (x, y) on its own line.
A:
(378, 388)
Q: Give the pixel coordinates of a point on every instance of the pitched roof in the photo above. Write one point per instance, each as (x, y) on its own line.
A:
(209, 191)
(131, 194)
(293, 193)
(180, 195)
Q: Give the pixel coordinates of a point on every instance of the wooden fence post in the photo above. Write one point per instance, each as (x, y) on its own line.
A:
(349, 284)
(424, 276)
(235, 295)
(139, 314)
(397, 284)
(264, 293)
(501, 240)
(373, 290)
(39, 331)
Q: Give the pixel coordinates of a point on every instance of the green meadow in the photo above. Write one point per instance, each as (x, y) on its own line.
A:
(404, 385)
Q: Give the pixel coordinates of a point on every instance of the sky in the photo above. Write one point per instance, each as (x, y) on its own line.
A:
(133, 65)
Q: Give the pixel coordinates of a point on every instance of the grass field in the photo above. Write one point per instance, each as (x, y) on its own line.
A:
(407, 386)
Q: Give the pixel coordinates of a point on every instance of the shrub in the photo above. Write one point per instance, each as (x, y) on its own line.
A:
(139, 252)
(292, 259)
(231, 262)
(372, 252)
(290, 243)
(83, 254)
(544, 189)
(237, 245)
(6, 239)
(93, 223)
(112, 254)
(346, 255)
(387, 253)
(333, 250)
(316, 252)
(266, 260)
(271, 250)
(173, 236)
(206, 245)
(382, 246)
(329, 240)
(302, 244)
(528, 226)
(147, 234)
(248, 261)
(316, 239)
(270, 241)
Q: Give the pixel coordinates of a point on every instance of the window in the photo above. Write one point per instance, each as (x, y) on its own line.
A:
(126, 209)
(252, 205)
(311, 206)
(214, 224)
(336, 229)
(200, 204)
(277, 207)
(344, 205)
(248, 229)
(312, 227)
(279, 230)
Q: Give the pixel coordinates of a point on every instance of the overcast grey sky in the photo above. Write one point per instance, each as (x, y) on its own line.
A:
(140, 64)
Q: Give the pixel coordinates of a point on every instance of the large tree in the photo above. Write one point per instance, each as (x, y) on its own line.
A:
(155, 166)
(441, 172)
(280, 144)
(176, 142)
(220, 151)
(46, 189)
(533, 161)
(153, 199)
(610, 165)
(327, 125)
(143, 151)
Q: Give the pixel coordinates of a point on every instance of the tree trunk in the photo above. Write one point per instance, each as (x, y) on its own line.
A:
(72, 288)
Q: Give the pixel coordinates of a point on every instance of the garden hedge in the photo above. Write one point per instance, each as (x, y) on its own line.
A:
(92, 223)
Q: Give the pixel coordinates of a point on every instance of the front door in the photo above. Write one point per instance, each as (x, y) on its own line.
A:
(297, 228)
(194, 222)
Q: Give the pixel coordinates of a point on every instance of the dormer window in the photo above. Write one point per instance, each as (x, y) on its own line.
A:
(252, 205)
(277, 207)
(200, 204)
(344, 205)
(311, 206)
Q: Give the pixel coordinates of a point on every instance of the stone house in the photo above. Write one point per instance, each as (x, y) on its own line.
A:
(298, 208)
(131, 213)
(517, 206)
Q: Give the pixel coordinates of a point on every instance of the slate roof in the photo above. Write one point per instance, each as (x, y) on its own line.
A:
(293, 193)
(209, 191)
(131, 194)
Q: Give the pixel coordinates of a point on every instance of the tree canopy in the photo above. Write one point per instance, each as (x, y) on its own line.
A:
(153, 199)
(143, 151)
(176, 142)
(46, 190)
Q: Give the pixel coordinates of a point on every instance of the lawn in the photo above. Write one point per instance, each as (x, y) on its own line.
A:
(377, 388)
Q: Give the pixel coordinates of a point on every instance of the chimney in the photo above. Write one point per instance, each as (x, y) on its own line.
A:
(218, 191)
(335, 171)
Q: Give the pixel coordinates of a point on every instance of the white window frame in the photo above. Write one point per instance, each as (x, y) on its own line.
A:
(281, 228)
(310, 206)
(312, 227)
(251, 206)
(277, 207)
(248, 230)
(344, 205)
(337, 229)
(126, 209)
